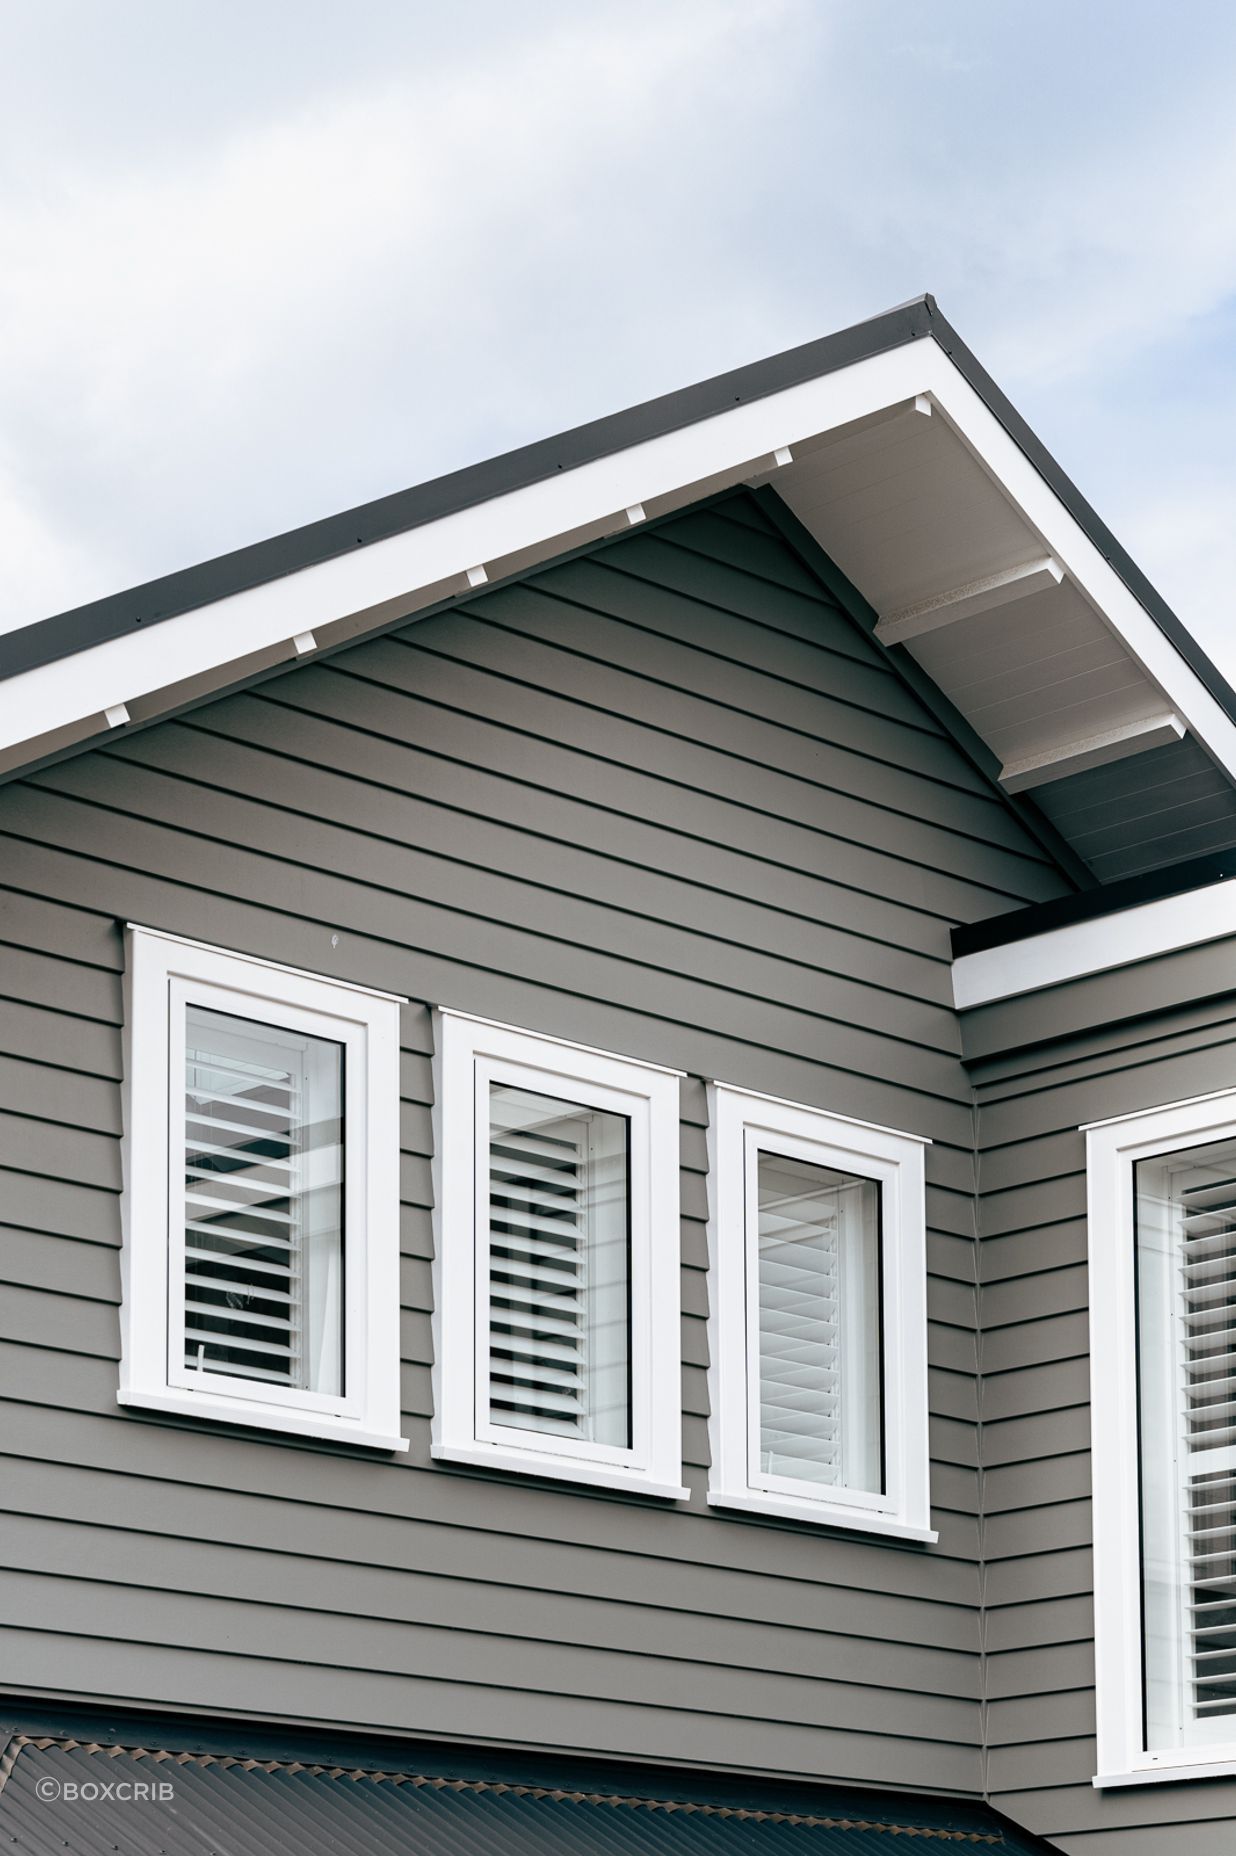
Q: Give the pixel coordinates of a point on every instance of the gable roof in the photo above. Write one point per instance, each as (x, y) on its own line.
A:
(897, 455)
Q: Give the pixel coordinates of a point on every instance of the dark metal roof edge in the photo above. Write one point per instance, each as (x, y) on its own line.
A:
(1093, 904)
(47, 640)
(472, 1764)
(1087, 518)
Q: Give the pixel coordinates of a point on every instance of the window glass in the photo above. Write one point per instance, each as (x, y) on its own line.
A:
(263, 1203)
(558, 1268)
(1186, 1293)
(818, 1280)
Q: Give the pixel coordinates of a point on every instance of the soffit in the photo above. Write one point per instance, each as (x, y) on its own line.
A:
(911, 516)
(986, 604)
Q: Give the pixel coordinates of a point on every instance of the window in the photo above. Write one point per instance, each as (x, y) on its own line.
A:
(261, 1232)
(557, 1288)
(820, 1353)
(1162, 1218)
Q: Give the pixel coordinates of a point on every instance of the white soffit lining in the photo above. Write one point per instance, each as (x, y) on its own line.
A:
(377, 583)
(962, 581)
(1095, 946)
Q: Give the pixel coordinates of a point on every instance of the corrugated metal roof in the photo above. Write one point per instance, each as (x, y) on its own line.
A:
(83, 1797)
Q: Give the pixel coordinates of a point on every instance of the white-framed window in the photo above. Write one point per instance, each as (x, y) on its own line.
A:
(819, 1360)
(1162, 1236)
(260, 1258)
(556, 1259)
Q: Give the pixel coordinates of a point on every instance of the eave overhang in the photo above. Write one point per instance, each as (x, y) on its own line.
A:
(889, 444)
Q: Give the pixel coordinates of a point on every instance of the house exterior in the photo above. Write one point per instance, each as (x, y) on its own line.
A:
(618, 1125)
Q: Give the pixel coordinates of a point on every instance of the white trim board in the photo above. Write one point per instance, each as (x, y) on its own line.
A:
(1095, 946)
(392, 578)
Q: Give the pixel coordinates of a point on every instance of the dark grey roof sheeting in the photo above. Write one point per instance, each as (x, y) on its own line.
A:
(220, 1806)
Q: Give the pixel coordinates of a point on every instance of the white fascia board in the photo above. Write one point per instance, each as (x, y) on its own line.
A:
(122, 670)
(1107, 941)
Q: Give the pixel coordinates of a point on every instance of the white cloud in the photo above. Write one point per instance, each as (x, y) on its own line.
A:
(1184, 538)
(243, 312)
(37, 551)
(453, 244)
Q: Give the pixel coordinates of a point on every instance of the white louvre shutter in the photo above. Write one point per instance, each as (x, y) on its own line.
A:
(558, 1268)
(262, 1274)
(799, 1351)
(538, 1258)
(244, 1252)
(1206, 1369)
(818, 1339)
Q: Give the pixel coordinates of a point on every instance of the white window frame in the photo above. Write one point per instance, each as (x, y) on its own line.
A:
(163, 972)
(470, 1053)
(742, 1123)
(1113, 1149)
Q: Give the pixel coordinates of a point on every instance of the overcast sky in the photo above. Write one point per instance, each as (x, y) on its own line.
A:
(264, 259)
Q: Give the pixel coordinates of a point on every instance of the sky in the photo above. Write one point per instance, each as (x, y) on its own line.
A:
(261, 260)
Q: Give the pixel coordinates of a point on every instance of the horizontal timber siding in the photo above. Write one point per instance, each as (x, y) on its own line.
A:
(665, 799)
(1037, 1082)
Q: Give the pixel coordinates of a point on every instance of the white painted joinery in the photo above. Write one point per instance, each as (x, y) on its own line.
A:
(1162, 1262)
(1095, 946)
(819, 1353)
(556, 1260)
(260, 1261)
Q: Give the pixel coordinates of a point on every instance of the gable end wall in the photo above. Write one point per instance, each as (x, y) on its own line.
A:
(668, 800)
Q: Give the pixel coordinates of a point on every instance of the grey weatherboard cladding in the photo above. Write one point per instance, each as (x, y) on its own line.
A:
(666, 799)
(1044, 1065)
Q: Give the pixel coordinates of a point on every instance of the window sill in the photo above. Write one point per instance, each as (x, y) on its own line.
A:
(558, 1469)
(820, 1514)
(256, 1417)
(1224, 1768)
